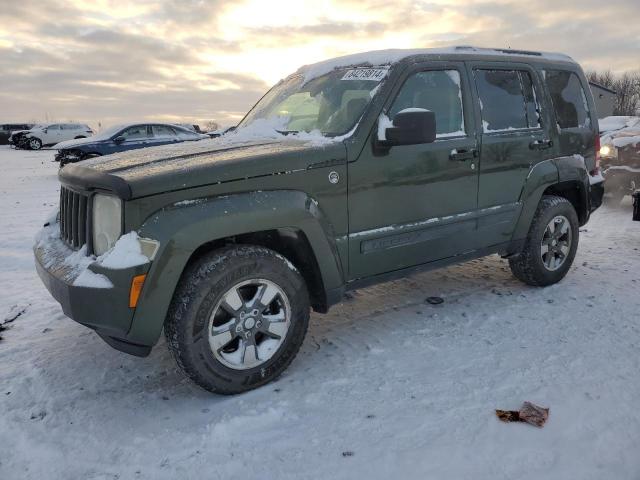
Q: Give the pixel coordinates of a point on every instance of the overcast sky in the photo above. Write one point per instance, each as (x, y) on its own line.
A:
(187, 60)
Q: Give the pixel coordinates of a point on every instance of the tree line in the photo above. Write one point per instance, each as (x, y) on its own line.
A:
(626, 86)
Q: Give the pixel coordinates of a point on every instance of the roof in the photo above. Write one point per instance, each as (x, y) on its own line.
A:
(389, 57)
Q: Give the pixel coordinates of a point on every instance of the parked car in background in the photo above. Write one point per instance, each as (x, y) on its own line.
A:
(17, 138)
(8, 128)
(52, 133)
(620, 155)
(119, 138)
(383, 164)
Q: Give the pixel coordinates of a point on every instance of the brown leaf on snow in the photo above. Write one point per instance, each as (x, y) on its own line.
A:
(529, 413)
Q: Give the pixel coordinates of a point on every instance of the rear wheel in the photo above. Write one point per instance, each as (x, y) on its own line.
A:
(35, 143)
(237, 319)
(551, 244)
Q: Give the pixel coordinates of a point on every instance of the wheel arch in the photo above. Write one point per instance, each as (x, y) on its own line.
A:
(289, 222)
(566, 177)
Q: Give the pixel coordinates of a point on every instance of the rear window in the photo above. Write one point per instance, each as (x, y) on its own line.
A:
(507, 100)
(569, 99)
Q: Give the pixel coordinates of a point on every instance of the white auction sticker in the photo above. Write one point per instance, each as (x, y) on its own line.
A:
(375, 74)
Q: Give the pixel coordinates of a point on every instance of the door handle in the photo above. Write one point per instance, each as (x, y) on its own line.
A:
(463, 154)
(543, 144)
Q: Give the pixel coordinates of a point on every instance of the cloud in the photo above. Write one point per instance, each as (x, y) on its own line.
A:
(110, 61)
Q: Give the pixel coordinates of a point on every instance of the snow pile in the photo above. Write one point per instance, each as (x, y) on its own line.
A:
(617, 122)
(620, 131)
(126, 253)
(623, 141)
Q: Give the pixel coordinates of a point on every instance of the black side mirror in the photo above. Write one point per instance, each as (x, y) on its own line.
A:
(45, 130)
(411, 126)
(119, 139)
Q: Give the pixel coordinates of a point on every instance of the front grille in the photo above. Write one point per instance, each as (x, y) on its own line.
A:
(73, 217)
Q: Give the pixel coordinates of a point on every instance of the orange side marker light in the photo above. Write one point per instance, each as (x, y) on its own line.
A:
(136, 287)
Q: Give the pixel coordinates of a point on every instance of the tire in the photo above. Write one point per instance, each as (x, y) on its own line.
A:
(34, 143)
(535, 267)
(204, 315)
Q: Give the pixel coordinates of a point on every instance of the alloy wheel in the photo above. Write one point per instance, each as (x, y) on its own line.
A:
(249, 324)
(556, 243)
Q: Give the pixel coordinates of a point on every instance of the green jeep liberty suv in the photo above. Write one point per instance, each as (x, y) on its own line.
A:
(347, 173)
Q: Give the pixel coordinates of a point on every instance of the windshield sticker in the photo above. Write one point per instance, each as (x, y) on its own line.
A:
(374, 74)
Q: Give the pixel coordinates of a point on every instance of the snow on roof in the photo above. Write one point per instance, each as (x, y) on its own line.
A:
(389, 57)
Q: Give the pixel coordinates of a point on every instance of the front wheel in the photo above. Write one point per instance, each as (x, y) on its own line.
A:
(237, 319)
(551, 244)
(35, 143)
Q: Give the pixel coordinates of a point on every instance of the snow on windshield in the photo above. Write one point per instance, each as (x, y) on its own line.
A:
(330, 104)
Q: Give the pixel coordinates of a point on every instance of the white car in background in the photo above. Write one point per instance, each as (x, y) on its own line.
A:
(52, 133)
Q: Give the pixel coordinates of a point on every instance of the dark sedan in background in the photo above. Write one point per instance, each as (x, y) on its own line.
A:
(123, 137)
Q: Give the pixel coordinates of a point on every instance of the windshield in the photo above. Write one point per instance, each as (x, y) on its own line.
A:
(331, 104)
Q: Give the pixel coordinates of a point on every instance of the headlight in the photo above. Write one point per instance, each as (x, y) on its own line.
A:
(606, 150)
(107, 222)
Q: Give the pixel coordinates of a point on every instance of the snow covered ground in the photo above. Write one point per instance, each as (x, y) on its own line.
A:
(385, 386)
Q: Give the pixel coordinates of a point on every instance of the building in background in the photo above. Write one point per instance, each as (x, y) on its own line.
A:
(605, 99)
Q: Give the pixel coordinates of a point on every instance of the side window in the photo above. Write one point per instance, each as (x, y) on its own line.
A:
(135, 133)
(53, 127)
(437, 91)
(569, 99)
(162, 131)
(185, 134)
(507, 100)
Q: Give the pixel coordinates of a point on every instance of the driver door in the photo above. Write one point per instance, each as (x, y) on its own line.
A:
(414, 204)
(134, 137)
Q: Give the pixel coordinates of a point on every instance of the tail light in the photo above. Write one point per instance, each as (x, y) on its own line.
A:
(596, 170)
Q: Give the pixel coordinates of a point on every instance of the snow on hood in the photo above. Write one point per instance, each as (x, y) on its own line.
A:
(617, 122)
(258, 132)
(77, 142)
(624, 131)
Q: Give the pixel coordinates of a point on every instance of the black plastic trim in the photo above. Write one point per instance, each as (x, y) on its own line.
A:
(89, 179)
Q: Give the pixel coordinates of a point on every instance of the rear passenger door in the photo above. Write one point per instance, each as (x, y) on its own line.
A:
(514, 136)
(52, 135)
(162, 134)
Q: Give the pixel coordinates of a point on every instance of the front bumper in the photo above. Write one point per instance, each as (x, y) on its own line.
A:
(105, 310)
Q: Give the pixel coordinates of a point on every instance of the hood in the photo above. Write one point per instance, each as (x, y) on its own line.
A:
(78, 142)
(18, 132)
(139, 173)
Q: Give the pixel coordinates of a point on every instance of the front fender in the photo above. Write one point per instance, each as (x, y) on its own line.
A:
(185, 226)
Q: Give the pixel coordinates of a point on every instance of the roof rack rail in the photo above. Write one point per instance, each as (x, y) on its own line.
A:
(518, 52)
(501, 50)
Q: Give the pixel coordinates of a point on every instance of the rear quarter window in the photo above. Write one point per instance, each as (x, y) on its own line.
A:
(569, 99)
